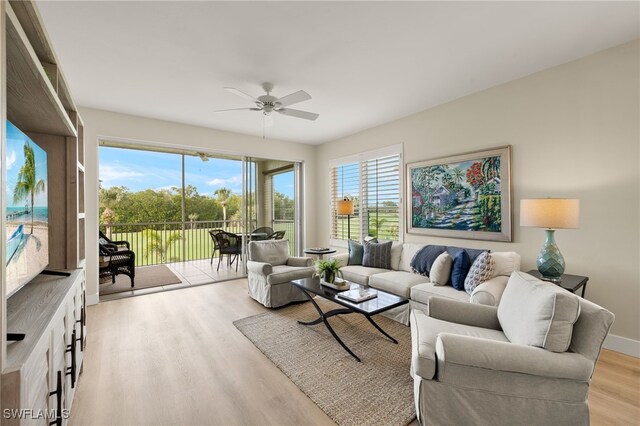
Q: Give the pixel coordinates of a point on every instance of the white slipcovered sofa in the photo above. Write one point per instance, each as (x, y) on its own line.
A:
(400, 280)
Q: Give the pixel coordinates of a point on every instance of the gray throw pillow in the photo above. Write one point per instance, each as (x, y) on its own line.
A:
(537, 313)
(356, 251)
(377, 255)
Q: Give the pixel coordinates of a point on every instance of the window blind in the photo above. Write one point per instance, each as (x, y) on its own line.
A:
(345, 182)
(381, 195)
(373, 181)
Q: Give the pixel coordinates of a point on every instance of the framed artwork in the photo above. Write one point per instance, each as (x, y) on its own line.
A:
(463, 196)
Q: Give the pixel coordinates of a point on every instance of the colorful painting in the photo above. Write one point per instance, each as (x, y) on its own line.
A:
(465, 196)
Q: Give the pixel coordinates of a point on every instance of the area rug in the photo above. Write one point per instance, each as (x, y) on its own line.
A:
(377, 391)
(146, 277)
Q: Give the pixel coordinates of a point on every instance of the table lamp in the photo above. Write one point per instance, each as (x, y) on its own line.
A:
(552, 214)
(345, 207)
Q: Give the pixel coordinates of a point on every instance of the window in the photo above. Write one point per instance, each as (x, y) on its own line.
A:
(373, 181)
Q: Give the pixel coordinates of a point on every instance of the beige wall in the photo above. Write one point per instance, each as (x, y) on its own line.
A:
(109, 125)
(574, 132)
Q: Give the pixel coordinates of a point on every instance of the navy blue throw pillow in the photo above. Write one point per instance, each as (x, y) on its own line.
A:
(460, 269)
(424, 258)
(473, 253)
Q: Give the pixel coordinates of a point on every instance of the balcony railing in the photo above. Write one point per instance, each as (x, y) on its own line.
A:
(164, 242)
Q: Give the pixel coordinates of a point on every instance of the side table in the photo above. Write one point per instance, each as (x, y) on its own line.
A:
(569, 282)
(319, 251)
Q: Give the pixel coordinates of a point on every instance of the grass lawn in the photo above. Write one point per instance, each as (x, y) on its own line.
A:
(197, 244)
(388, 227)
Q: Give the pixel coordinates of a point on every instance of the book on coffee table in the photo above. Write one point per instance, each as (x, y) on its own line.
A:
(358, 295)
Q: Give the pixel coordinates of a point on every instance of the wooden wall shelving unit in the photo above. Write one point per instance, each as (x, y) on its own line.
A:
(35, 96)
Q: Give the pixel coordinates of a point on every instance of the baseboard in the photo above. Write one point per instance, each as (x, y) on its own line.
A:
(623, 344)
(92, 299)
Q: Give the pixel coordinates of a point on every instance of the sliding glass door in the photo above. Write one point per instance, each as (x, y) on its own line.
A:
(272, 207)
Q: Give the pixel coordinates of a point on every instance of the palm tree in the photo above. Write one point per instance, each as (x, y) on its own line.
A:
(458, 175)
(193, 217)
(377, 224)
(156, 245)
(223, 195)
(28, 186)
(109, 199)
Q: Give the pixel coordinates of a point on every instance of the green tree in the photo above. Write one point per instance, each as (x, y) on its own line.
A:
(283, 208)
(375, 225)
(27, 186)
(458, 175)
(156, 245)
(192, 218)
(110, 199)
(223, 195)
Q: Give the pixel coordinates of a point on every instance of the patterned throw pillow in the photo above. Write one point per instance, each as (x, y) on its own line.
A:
(377, 255)
(481, 271)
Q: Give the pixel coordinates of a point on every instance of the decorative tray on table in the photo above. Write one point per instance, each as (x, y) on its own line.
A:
(339, 284)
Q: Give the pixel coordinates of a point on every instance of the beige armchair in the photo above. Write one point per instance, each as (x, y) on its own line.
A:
(470, 368)
(271, 270)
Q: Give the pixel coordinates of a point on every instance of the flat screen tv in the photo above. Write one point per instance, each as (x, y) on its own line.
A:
(27, 211)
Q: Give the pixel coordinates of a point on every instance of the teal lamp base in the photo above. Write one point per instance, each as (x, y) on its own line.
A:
(550, 261)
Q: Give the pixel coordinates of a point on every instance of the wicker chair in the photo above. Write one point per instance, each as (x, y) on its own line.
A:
(212, 234)
(231, 245)
(257, 234)
(115, 259)
(278, 235)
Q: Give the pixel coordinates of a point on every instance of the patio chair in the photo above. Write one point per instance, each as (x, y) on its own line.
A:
(278, 235)
(261, 233)
(119, 244)
(212, 234)
(115, 260)
(231, 245)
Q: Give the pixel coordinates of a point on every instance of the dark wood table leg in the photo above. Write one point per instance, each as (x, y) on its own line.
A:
(584, 288)
(323, 318)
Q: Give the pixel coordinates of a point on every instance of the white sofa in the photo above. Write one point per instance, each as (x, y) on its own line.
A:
(401, 281)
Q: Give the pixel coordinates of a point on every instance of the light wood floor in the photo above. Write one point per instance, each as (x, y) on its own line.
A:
(176, 358)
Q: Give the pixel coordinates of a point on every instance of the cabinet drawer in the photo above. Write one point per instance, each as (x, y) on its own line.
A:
(36, 378)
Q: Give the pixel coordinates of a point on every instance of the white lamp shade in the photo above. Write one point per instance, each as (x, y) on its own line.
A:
(345, 207)
(552, 213)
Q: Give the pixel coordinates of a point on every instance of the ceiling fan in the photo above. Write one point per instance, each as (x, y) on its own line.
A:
(268, 103)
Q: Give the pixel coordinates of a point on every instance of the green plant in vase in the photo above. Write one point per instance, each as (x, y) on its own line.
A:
(328, 270)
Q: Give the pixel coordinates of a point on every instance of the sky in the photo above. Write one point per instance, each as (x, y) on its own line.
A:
(139, 170)
(14, 161)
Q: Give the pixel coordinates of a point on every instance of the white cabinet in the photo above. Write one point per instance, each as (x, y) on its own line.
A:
(43, 369)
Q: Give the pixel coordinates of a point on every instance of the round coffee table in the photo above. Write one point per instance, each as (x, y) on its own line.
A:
(319, 251)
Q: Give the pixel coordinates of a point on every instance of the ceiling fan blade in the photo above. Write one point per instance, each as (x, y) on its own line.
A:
(294, 98)
(299, 114)
(241, 94)
(239, 109)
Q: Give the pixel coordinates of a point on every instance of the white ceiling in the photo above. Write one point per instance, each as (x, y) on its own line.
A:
(364, 63)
